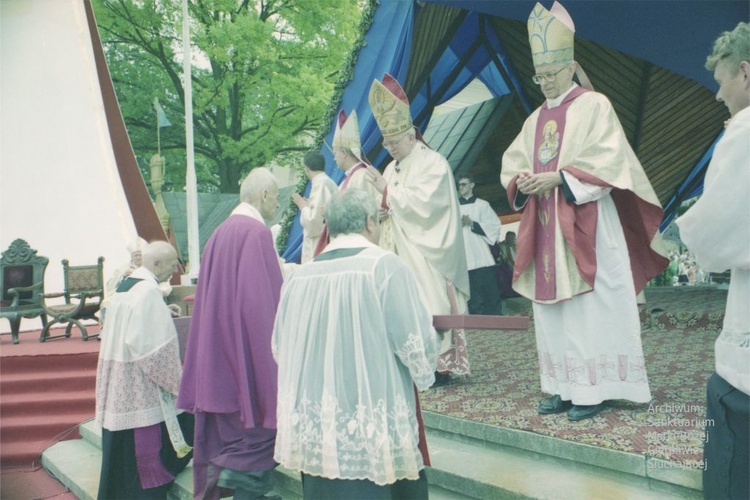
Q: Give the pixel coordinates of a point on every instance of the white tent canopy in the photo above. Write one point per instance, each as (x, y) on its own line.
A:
(60, 189)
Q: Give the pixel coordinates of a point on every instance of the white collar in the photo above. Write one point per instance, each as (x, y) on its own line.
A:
(248, 210)
(142, 273)
(351, 240)
(553, 103)
(740, 115)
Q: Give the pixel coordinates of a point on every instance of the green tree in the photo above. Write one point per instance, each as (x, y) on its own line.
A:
(262, 77)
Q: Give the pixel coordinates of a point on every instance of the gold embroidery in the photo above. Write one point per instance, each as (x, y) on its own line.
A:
(550, 145)
(547, 273)
(544, 217)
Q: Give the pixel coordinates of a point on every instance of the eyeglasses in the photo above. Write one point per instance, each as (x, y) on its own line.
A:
(462, 184)
(392, 144)
(548, 77)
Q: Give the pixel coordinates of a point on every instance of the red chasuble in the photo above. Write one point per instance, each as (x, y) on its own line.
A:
(602, 157)
(550, 129)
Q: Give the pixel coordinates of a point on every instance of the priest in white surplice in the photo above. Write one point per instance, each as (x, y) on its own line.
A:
(311, 208)
(481, 228)
(421, 218)
(588, 240)
(145, 438)
(352, 339)
(716, 229)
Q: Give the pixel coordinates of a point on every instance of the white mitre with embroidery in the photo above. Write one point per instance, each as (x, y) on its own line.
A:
(346, 135)
(390, 106)
(551, 35)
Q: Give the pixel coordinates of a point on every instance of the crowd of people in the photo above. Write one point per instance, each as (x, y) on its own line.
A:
(319, 369)
(684, 270)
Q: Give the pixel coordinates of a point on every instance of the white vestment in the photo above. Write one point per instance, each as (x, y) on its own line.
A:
(311, 217)
(589, 347)
(425, 226)
(139, 368)
(424, 229)
(358, 178)
(588, 338)
(716, 229)
(478, 252)
(352, 339)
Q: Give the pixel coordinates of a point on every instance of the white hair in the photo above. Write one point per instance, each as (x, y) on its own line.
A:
(258, 180)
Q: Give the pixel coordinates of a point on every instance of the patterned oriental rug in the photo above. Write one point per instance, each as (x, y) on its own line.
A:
(679, 327)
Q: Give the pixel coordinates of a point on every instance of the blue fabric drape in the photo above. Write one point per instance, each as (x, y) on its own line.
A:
(468, 56)
(692, 186)
(473, 53)
(387, 49)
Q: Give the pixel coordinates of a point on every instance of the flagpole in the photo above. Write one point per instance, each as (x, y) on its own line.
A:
(158, 127)
(191, 188)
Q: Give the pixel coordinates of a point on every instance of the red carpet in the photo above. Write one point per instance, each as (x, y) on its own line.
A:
(46, 390)
(35, 483)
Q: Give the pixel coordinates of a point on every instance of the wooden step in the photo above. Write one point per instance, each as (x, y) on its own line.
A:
(67, 403)
(43, 383)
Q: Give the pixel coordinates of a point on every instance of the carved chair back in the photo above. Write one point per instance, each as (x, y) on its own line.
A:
(21, 285)
(82, 279)
(21, 267)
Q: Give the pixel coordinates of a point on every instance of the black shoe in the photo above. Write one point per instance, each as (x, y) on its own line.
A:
(579, 412)
(441, 379)
(553, 404)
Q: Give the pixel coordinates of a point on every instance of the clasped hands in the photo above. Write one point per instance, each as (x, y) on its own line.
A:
(538, 183)
(300, 201)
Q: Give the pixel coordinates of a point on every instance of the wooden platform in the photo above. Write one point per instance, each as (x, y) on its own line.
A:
(479, 322)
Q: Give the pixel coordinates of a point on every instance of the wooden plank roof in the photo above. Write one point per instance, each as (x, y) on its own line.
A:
(669, 119)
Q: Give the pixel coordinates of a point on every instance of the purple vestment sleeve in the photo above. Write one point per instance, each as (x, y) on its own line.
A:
(228, 364)
(151, 470)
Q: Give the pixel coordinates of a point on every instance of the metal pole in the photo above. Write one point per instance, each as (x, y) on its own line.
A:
(191, 188)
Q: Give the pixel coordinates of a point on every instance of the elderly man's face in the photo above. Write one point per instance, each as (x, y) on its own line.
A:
(136, 258)
(554, 79)
(269, 205)
(734, 91)
(163, 264)
(167, 268)
(399, 146)
(341, 159)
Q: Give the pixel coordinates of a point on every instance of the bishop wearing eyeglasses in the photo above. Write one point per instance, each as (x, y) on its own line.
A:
(588, 241)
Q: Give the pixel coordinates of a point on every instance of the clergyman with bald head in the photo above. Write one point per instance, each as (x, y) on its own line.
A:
(146, 441)
(230, 375)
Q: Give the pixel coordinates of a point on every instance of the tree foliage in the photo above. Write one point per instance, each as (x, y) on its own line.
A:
(262, 76)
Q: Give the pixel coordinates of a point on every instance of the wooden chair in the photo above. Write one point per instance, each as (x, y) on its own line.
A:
(84, 292)
(22, 285)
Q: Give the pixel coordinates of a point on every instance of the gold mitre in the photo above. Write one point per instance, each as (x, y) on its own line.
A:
(346, 135)
(390, 106)
(551, 35)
